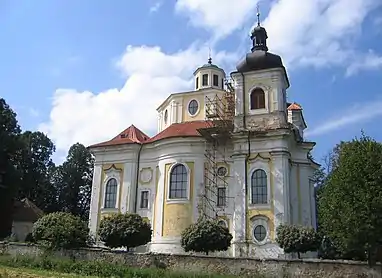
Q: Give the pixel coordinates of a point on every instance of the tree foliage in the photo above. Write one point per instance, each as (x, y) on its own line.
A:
(10, 152)
(350, 203)
(297, 239)
(36, 166)
(59, 230)
(74, 181)
(206, 236)
(124, 230)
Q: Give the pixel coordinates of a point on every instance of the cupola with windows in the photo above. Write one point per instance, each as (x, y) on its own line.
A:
(209, 76)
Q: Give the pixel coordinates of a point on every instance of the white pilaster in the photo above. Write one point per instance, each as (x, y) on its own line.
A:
(159, 122)
(239, 95)
(126, 187)
(180, 114)
(94, 202)
(173, 112)
(159, 202)
(198, 183)
(239, 215)
(281, 187)
(306, 194)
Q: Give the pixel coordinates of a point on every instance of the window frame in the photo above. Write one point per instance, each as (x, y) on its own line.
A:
(165, 117)
(105, 200)
(215, 77)
(266, 89)
(219, 198)
(188, 173)
(141, 199)
(205, 84)
(259, 93)
(260, 164)
(263, 221)
(197, 110)
(253, 186)
(197, 83)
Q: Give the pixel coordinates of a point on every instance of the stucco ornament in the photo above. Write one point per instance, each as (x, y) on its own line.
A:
(146, 175)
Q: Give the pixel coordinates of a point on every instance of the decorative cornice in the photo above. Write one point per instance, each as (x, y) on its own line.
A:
(113, 167)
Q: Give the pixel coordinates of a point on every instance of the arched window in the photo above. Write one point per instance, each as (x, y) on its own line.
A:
(111, 193)
(178, 182)
(259, 189)
(165, 117)
(257, 99)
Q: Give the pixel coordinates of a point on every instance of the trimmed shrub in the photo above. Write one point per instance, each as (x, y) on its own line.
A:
(206, 236)
(297, 239)
(124, 230)
(60, 230)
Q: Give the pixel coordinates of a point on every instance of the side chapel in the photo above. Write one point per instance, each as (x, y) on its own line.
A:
(232, 150)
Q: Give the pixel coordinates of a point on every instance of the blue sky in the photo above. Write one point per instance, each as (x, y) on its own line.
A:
(84, 70)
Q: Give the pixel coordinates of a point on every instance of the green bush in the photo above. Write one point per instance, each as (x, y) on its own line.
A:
(96, 268)
(206, 236)
(297, 239)
(124, 230)
(60, 230)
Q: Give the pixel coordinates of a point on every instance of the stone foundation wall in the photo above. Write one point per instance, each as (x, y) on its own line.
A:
(241, 267)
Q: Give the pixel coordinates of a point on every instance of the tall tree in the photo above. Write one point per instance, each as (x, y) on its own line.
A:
(74, 179)
(350, 202)
(10, 153)
(37, 165)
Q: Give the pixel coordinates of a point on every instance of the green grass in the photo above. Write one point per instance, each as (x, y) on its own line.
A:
(10, 272)
(90, 268)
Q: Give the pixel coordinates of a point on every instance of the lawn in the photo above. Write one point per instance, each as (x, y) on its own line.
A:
(10, 272)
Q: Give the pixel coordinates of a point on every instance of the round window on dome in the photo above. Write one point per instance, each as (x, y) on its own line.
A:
(222, 171)
(259, 233)
(193, 107)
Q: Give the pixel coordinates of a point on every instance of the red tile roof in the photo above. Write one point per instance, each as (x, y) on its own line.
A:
(130, 135)
(294, 106)
(134, 135)
(186, 129)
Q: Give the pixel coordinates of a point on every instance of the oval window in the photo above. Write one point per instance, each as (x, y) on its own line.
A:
(193, 107)
(259, 233)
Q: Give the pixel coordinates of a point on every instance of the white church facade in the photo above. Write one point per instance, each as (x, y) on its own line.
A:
(228, 150)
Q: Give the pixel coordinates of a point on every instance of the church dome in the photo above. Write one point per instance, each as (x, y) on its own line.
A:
(259, 60)
(209, 65)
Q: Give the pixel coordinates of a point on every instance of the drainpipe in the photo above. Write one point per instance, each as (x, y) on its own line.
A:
(137, 178)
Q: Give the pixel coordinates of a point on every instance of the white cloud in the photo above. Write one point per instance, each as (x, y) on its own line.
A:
(221, 17)
(358, 113)
(305, 33)
(369, 61)
(151, 75)
(317, 33)
(154, 8)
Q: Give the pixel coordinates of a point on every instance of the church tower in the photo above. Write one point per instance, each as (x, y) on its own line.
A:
(262, 152)
(261, 82)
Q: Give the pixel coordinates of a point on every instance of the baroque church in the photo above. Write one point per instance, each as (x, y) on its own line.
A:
(232, 149)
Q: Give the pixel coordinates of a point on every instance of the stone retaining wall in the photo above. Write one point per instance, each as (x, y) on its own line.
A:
(242, 267)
